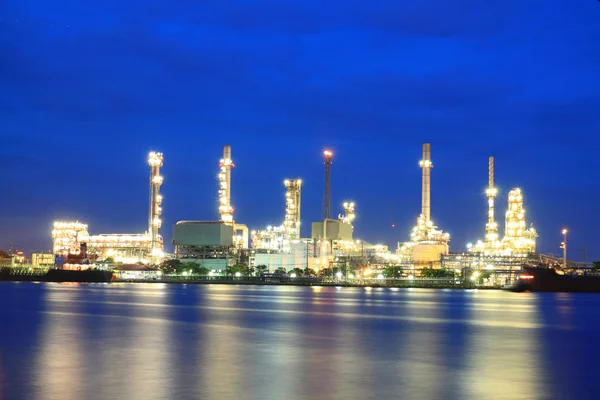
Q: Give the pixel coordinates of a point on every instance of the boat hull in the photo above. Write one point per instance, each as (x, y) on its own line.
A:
(534, 279)
(59, 275)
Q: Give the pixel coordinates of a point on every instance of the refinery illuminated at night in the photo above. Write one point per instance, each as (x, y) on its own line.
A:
(219, 244)
(299, 200)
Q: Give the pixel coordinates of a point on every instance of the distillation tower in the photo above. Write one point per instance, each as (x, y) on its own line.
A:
(291, 223)
(155, 160)
(225, 165)
(278, 238)
(327, 194)
(491, 228)
(517, 237)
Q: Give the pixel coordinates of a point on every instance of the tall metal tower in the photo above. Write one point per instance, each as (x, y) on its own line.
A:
(491, 228)
(225, 165)
(426, 166)
(291, 223)
(155, 160)
(327, 199)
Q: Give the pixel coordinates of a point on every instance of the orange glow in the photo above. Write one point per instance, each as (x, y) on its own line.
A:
(526, 277)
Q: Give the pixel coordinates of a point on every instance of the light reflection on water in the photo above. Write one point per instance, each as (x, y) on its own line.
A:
(157, 341)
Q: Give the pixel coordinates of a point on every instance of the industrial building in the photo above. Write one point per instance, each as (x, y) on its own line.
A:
(69, 237)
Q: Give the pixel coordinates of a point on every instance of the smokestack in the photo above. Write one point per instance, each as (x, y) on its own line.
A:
(426, 166)
(225, 209)
(327, 199)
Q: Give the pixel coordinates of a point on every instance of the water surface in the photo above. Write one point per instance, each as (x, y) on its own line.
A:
(218, 342)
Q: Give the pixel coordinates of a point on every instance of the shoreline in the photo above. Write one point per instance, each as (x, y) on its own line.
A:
(312, 284)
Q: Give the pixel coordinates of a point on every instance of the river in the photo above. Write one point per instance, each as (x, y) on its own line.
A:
(219, 342)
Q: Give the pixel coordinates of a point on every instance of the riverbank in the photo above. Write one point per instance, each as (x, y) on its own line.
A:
(259, 281)
(99, 276)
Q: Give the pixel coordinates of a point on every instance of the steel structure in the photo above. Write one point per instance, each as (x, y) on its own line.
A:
(327, 195)
(225, 165)
(517, 238)
(491, 228)
(155, 160)
(291, 223)
(349, 216)
(68, 236)
(271, 238)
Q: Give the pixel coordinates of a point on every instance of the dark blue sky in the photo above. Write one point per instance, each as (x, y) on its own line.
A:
(88, 88)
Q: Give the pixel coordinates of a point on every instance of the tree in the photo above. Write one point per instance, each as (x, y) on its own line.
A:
(297, 271)
(249, 271)
(309, 272)
(234, 269)
(261, 269)
(393, 271)
(4, 254)
(109, 260)
(201, 270)
(170, 266)
(280, 270)
(483, 275)
(437, 273)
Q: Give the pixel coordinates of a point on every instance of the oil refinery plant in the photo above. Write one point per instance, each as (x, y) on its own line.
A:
(224, 242)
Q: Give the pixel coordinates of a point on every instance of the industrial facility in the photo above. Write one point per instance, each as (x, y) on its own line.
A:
(224, 242)
(72, 243)
(502, 256)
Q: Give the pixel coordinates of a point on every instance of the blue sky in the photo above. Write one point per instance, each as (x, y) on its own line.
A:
(87, 89)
